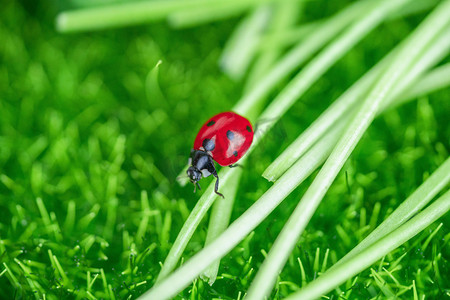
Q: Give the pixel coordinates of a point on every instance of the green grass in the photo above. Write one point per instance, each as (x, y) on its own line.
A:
(96, 126)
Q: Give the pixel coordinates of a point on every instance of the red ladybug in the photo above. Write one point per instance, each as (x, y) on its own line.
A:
(224, 138)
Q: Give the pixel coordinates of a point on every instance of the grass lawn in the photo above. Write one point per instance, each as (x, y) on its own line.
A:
(100, 103)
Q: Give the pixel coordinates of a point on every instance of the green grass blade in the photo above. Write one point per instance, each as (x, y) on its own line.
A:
(12, 278)
(284, 15)
(364, 259)
(118, 14)
(136, 12)
(413, 204)
(291, 36)
(214, 12)
(329, 117)
(418, 40)
(219, 220)
(431, 57)
(196, 215)
(241, 46)
(288, 37)
(436, 79)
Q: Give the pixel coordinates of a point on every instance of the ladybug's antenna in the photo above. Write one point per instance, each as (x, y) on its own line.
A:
(195, 186)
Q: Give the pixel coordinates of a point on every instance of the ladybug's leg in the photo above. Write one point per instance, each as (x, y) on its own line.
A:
(208, 164)
(216, 188)
(213, 171)
(235, 165)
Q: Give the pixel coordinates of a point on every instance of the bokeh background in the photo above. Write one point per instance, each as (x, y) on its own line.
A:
(93, 136)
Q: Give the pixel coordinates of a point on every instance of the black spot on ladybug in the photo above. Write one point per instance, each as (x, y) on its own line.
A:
(249, 129)
(209, 144)
(211, 123)
(235, 153)
(230, 135)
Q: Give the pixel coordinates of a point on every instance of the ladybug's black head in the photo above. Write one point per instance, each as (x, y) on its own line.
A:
(194, 174)
(202, 166)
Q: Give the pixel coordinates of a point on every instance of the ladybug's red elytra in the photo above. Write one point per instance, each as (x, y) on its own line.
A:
(224, 138)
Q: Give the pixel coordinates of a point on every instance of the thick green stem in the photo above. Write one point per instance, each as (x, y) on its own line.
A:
(140, 12)
(219, 220)
(436, 79)
(213, 12)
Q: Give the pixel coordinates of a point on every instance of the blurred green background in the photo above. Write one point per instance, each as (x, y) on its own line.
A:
(89, 130)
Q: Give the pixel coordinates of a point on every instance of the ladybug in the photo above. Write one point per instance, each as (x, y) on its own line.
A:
(224, 138)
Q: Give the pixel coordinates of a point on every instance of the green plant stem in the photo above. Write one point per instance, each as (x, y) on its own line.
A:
(288, 237)
(285, 15)
(293, 35)
(436, 79)
(289, 37)
(431, 56)
(413, 204)
(219, 220)
(415, 7)
(208, 13)
(339, 111)
(186, 232)
(241, 46)
(324, 122)
(367, 257)
(136, 12)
